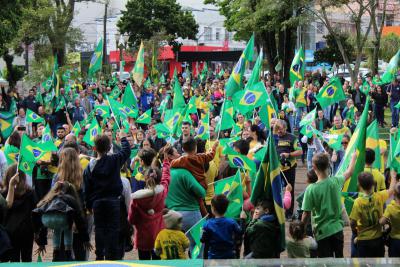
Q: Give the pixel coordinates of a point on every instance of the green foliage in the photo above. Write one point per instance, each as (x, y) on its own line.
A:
(143, 19)
(331, 52)
(390, 44)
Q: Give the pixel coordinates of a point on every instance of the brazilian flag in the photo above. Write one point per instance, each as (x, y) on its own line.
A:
(26, 166)
(11, 152)
(195, 232)
(76, 129)
(240, 161)
(46, 135)
(357, 143)
(6, 120)
(226, 116)
(373, 143)
(331, 93)
(121, 110)
(103, 111)
(93, 131)
(254, 96)
(203, 131)
(297, 68)
(268, 185)
(33, 117)
(232, 188)
(33, 151)
(145, 118)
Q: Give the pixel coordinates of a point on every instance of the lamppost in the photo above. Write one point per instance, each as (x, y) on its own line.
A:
(121, 44)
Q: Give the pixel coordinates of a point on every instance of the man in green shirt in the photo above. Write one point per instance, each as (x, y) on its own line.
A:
(322, 201)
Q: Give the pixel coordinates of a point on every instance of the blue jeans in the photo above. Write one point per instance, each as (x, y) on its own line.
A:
(395, 114)
(106, 214)
(310, 154)
(190, 218)
(59, 223)
(299, 113)
(291, 122)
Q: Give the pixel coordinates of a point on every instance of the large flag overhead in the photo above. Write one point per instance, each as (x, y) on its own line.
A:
(391, 69)
(373, 143)
(121, 110)
(331, 93)
(97, 59)
(92, 132)
(235, 82)
(255, 74)
(357, 143)
(56, 77)
(268, 185)
(179, 100)
(154, 69)
(297, 68)
(138, 70)
(232, 188)
(33, 151)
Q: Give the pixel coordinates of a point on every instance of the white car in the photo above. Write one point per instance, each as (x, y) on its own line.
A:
(126, 76)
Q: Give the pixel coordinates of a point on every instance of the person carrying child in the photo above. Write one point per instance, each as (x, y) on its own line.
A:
(195, 162)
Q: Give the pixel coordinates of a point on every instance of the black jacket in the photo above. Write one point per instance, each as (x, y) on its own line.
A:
(102, 177)
(380, 99)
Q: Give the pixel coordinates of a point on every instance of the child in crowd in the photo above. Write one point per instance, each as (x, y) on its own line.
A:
(220, 232)
(262, 236)
(365, 215)
(58, 210)
(145, 211)
(195, 163)
(391, 216)
(145, 157)
(299, 244)
(171, 243)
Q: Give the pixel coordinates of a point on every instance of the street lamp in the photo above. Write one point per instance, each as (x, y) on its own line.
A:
(121, 44)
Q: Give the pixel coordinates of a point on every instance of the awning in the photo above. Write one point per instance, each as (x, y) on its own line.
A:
(231, 56)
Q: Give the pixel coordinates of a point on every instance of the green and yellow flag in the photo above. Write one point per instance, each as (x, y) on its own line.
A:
(76, 129)
(391, 70)
(268, 185)
(195, 232)
(11, 152)
(252, 97)
(145, 118)
(6, 120)
(26, 166)
(331, 93)
(226, 116)
(154, 69)
(97, 59)
(309, 118)
(102, 111)
(46, 135)
(232, 188)
(357, 143)
(121, 110)
(129, 98)
(179, 100)
(373, 143)
(138, 70)
(238, 160)
(92, 132)
(33, 151)
(203, 131)
(297, 68)
(235, 82)
(33, 117)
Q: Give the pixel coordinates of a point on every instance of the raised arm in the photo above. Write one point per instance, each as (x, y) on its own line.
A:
(123, 155)
(349, 172)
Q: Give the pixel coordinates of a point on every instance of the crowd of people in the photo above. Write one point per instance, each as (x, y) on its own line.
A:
(137, 189)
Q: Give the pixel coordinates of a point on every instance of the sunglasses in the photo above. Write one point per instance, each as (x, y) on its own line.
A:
(345, 143)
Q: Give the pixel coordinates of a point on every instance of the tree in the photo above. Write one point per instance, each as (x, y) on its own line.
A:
(49, 22)
(273, 22)
(390, 44)
(331, 53)
(143, 19)
(356, 10)
(10, 14)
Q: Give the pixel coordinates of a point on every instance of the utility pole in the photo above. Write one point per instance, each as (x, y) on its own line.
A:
(105, 33)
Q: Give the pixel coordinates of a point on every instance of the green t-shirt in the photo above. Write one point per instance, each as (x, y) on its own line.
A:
(184, 191)
(323, 200)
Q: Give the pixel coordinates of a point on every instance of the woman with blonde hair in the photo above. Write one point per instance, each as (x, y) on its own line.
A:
(69, 168)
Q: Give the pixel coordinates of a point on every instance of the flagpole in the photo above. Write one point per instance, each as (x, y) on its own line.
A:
(195, 224)
(19, 155)
(112, 112)
(284, 177)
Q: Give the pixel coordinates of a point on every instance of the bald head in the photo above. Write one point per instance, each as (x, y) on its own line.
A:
(70, 138)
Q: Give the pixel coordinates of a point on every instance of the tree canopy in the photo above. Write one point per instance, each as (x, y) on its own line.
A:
(143, 19)
(331, 53)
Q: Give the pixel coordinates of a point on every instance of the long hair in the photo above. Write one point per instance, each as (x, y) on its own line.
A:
(69, 168)
(15, 139)
(21, 187)
(57, 189)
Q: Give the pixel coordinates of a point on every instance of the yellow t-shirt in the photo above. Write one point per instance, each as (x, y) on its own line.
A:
(198, 101)
(378, 178)
(218, 152)
(172, 244)
(367, 210)
(343, 130)
(210, 177)
(392, 212)
(371, 143)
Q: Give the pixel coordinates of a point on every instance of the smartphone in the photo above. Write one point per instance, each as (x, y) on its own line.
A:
(21, 128)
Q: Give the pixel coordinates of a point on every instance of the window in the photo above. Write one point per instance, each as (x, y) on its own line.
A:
(217, 34)
(207, 33)
(389, 20)
(320, 28)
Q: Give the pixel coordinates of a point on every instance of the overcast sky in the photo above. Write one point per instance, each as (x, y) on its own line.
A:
(194, 3)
